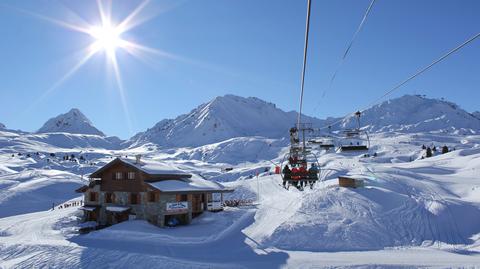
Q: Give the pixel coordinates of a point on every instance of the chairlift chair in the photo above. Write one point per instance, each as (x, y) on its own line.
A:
(300, 159)
(355, 139)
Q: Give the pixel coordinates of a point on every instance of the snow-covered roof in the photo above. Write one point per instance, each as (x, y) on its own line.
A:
(147, 166)
(88, 208)
(117, 208)
(193, 184)
(154, 168)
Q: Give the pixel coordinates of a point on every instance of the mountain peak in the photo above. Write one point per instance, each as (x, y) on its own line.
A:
(222, 118)
(2, 126)
(416, 113)
(74, 121)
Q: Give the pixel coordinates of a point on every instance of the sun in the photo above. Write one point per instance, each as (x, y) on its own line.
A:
(107, 38)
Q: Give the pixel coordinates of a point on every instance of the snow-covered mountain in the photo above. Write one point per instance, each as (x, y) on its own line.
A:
(2, 126)
(476, 114)
(74, 122)
(220, 119)
(414, 113)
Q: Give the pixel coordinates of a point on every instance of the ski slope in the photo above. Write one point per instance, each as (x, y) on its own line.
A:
(411, 212)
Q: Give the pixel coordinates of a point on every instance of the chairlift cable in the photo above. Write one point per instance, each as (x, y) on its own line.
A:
(347, 50)
(421, 71)
(305, 49)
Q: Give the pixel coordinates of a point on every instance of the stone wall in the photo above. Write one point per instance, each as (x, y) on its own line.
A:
(154, 212)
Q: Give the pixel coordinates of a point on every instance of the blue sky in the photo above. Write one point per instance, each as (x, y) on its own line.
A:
(247, 48)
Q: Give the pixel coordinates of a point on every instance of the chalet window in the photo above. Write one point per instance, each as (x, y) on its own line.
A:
(151, 196)
(131, 175)
(134, 198)
(93, 197)
(182, 198)
(118, 175)
(108, 197)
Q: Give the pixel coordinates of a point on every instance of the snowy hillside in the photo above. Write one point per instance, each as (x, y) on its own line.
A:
(235, 150)
(476, 114)
(15, 141)
(422, 210)
(71, 122)
(411, 213)
(413, 113)
(222, 118)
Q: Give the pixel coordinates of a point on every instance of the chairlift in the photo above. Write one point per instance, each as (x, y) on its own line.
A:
(355, 139)
(303, 167)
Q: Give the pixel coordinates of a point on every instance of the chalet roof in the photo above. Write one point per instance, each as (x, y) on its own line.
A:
(117, 209)
(82, 189)
(194, 184)
(88, 208)
(85, 188)
(147, 166)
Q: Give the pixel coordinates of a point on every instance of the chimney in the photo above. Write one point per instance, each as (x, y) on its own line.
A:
(138, 158)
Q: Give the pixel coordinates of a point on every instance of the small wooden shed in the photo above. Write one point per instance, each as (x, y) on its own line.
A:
(350, 182)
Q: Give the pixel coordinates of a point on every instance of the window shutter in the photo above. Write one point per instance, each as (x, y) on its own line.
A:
(125, 175)
(113, 176)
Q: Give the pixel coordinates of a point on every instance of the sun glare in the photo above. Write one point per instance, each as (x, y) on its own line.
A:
(107, 38)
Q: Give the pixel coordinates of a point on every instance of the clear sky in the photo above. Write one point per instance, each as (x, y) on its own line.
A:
(245, 47)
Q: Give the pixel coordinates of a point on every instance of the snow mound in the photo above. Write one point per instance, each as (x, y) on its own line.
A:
(222, 118)
(36, 190)
(414, 113)
(420, 203)
(74, 121)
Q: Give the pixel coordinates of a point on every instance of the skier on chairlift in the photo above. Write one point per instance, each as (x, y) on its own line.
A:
(293, 135)
(287, 174)
(303, 173)
(313, 172)
(295, 176)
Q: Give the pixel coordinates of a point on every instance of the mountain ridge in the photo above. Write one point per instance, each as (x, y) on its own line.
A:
(222, 118)
(415, 113)
(74, 122)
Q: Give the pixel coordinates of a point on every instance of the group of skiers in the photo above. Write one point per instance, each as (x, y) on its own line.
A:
(67, 205)
(299, 175)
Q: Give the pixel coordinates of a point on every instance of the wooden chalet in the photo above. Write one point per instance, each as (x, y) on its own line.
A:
(127, 189)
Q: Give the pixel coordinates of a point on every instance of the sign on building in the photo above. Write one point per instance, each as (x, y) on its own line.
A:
(216, 202)
(178, 207)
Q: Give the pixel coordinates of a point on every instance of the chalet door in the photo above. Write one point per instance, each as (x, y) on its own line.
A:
(109, 218)
(197, 203)
(92, 216)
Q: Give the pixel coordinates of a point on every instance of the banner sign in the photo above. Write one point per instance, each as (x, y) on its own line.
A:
(178, 207)
(216, 202)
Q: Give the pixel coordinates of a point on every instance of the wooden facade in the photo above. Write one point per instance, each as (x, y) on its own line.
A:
(349, 182)
(120, 191)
